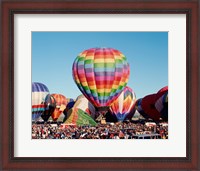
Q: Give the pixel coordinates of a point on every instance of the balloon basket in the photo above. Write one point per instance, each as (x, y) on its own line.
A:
(103, 121)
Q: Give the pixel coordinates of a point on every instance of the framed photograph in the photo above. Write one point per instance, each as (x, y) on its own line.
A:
(54, 50)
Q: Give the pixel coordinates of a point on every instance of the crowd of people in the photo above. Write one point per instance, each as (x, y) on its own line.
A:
(121, 130)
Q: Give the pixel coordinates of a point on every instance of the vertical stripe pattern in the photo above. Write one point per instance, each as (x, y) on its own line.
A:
(123, 106)
(162, 106)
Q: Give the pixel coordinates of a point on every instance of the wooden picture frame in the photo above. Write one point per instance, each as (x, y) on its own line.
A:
(10, 7)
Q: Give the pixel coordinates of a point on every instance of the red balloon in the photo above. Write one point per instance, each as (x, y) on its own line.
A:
(148, 105)
(162, 91)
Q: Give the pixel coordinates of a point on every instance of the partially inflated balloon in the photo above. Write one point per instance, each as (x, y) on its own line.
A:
(50, 103)
(79, 117)
(61, 103)
(138, 107)
(83, 104)
(101, 74)
(163, 90)
(70, 103)
(148, 105)
(162, 106)
(39, 93)
(162, 94)
(123, 106)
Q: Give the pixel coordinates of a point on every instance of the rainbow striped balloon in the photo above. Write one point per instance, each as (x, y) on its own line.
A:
(101, 74)
(123, 106)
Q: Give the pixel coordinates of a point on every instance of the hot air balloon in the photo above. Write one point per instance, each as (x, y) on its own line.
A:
(70, 103)
(61, 103)
(50, 103)
(101, 74)
(39, 93)
(78, 117)
(162, 106)
(138, 107)
(163, 90)
(83, 104)
(148, 105)
(123, 106)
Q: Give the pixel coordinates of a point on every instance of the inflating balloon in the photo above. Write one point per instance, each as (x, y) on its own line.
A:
(79, 117)
(61, 103)
(123, 106)
(70, 103)
(163, 90)
(138, 107)
(83, 104)
(39, 93)
(50, 103)
(101, 74)
(148, 105)
(162, 106)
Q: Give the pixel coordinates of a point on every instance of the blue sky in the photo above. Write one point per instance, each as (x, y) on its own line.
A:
(53, 54)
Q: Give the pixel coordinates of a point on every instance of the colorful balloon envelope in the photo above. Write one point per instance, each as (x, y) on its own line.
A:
(39, 93)
(50, 103)
(83, 104)
(101, 74)
(123, 106)
(78, 117)
(138, 107)
(162, 106)
(61, 103)
(70, 103)
(163, 90)
(148, 105)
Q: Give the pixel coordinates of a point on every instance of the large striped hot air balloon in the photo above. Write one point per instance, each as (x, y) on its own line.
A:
(123, 106)
(39, 93)
(101, 74)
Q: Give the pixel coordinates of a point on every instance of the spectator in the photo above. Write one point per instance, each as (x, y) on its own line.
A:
(114, 131)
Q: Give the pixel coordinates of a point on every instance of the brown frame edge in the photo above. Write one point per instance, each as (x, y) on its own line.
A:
(9, 8)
